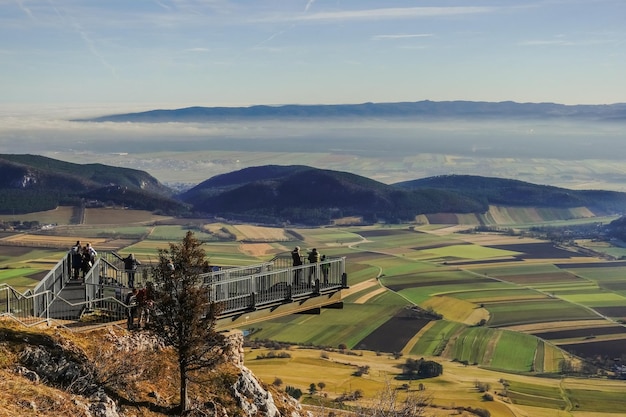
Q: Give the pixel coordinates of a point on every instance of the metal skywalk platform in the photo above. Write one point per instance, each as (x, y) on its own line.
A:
(245, 294)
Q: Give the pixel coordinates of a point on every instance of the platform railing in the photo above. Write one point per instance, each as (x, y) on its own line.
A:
(99, 296)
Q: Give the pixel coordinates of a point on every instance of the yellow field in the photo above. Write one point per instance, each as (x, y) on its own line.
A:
(60, 215)
(260, 233)
(46, 241)
(455, 387)
(95, 216)
(454, 309)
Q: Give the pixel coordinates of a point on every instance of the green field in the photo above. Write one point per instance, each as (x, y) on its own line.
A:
(435, 339)
(536, 311)
(514, 352)
(332, 327)
(412, 270)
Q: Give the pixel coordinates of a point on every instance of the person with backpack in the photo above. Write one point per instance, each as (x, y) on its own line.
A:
(91, 253)
(145, 301)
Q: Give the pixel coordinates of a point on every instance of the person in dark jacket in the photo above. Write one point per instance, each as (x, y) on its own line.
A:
(76, 259)
(130, 265)
(314, 258)
(297, 261)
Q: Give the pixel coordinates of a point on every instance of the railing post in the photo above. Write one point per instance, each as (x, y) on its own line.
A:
(344, 280)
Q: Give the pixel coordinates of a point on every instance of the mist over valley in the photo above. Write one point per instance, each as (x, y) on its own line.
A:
(565, 152)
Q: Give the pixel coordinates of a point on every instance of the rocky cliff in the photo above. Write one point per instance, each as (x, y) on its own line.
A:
(115, 373)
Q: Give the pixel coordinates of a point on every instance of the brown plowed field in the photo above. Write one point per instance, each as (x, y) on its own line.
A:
(400, 287)
(616, 311)
(581, 333)
(383, 233)
(525, 279)
(604, 348)
(537, 251)
(393, 335)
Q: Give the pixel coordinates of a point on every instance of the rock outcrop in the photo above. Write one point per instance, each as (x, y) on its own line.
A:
(60, 363)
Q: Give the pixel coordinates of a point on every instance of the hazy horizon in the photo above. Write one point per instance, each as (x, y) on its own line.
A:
(555, 152)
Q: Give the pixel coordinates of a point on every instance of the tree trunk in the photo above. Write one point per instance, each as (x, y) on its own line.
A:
(184, 400)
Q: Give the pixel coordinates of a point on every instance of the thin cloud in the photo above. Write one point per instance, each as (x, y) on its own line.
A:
(308, 5)
(25, 9)
(163, 5)
(407, 36)
(91, 46)
(386, 13)
(196, 50)
(544, 42)
(562, 42)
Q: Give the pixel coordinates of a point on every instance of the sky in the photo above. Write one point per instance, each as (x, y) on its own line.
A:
(178, 53)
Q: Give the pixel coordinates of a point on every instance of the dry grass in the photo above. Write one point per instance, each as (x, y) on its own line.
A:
(97, 216)
(49, 241)
(142, 380)
(256, 249)
(260, 233)
(60, 215)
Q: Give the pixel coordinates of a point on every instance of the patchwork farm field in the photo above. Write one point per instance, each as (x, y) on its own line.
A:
(497, 307)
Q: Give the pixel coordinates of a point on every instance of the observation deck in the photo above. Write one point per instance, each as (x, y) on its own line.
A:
(245, 294)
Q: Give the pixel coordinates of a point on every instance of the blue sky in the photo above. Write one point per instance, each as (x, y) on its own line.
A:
(174, 53)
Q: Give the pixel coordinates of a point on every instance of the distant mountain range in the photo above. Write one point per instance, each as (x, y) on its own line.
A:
(421, 109)
(276, 194)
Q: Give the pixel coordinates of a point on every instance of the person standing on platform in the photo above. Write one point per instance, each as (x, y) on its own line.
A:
(297, 261)
(130, 265)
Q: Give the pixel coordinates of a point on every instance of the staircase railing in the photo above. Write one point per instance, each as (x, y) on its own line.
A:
(21, 307)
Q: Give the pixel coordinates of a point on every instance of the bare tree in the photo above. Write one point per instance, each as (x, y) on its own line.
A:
(183, 314)
(388, 404)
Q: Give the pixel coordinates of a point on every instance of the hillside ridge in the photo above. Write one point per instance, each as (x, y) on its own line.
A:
(419, 109)
(278, 194)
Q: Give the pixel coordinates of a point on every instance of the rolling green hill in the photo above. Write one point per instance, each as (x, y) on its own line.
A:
(296, 194)
(30, 183)
(306, 195)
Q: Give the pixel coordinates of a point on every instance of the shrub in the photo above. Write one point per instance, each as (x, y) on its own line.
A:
(294, 392)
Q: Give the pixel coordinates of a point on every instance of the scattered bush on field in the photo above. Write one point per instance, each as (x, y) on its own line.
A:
(350, 396)
(294, 392)
(482, 386)
(274, 355)
(420, 368)
(267, 344)
(362, 370)
(277, 382)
